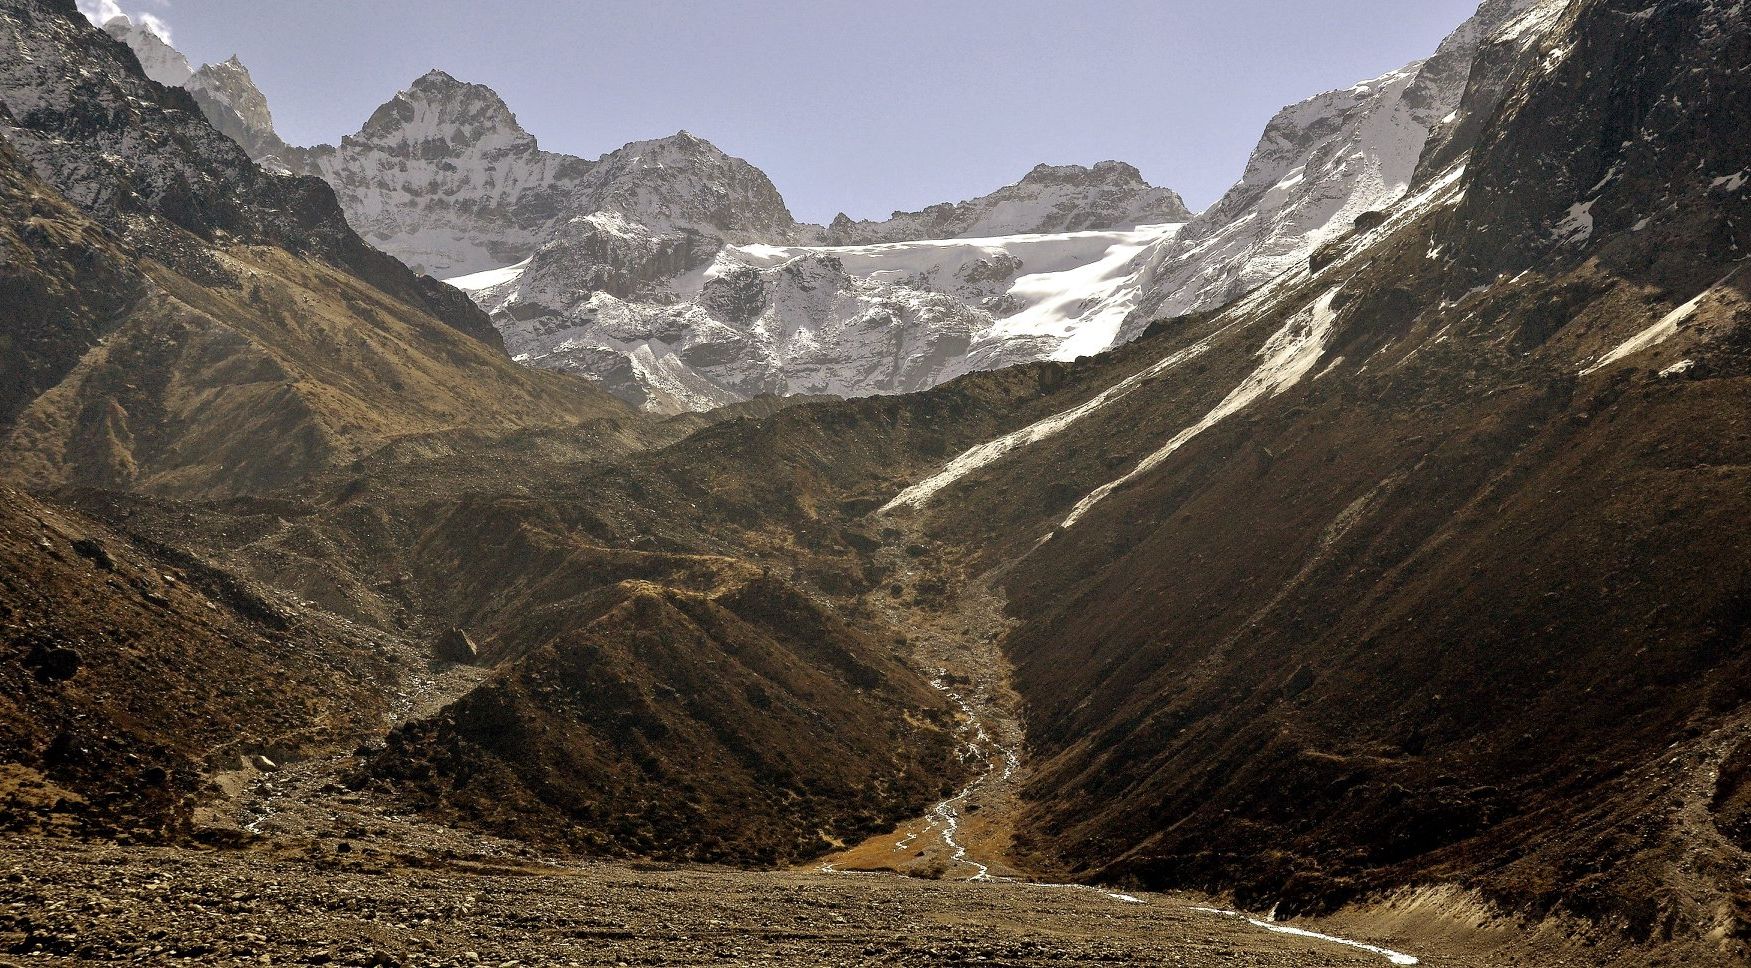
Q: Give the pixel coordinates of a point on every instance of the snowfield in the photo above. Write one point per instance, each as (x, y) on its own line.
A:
(1072, 288)
(847, 320)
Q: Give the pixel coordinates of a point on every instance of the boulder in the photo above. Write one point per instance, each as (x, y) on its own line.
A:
(456, 646)
(53, 663)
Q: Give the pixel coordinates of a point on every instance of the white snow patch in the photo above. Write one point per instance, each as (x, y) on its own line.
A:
(1088, 303)
(1655, 334)
(1733, 182)
(1396, 957)
(1678, 369)
(1072, 288)
(990, 451)
(476, 281)
(1577, 226)
(1288, 356)
(676, 386)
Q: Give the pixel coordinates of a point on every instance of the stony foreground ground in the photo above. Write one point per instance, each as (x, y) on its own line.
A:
(67, 903)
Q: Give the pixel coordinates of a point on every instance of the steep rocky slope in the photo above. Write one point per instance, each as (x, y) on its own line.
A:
(232, 331)
(65, 282)
(230, 100)
(1327, 161)
(1410, 570)
(130, 670)
(161, 62)
(227, 95)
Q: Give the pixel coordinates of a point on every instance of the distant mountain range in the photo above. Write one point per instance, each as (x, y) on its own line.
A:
(660, 269)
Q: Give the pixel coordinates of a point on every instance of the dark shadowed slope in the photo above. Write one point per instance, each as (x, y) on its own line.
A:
(129, 670)
(1430, 565)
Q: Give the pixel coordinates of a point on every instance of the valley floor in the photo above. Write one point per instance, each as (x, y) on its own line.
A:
(78, 903)
(327, 874)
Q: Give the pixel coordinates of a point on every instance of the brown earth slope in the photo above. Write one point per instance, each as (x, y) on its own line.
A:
(257, 388)
(1467, 601)
(128, 670)
(742, 723)
(185, 323)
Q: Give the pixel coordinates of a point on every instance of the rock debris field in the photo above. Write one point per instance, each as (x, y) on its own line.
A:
(64, 903)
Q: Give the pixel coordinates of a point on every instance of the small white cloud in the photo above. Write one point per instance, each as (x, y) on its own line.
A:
(156, 24)
(101, 12)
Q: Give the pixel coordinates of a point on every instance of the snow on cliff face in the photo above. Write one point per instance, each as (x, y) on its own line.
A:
(230, 100)
(162, 62)
(1319, 165)
(1051, 198)
(445, 179)
(845, 320)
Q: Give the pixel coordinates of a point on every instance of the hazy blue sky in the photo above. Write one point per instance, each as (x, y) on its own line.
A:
(864, 106)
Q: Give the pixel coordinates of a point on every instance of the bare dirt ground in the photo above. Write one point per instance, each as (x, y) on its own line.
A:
(64, 903)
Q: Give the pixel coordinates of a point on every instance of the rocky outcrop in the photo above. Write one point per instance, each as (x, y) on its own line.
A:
(456, 645)
(230, 100)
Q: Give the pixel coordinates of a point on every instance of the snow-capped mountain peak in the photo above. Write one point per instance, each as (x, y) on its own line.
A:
(437, 105)
(231, 101)
(684, 181)
(162, 62)
(1049, 198)
(443, 177)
